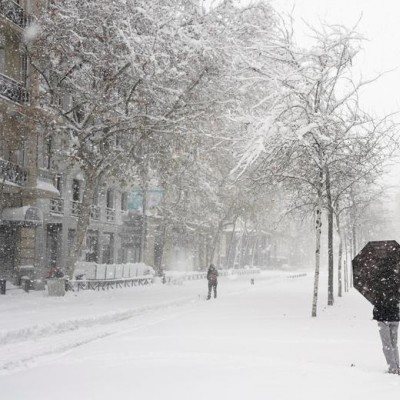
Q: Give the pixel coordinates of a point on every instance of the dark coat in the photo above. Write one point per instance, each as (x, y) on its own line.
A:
(386, 312)
(212, 275)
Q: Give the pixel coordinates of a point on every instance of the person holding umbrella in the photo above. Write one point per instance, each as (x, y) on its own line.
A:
(386, 313)
(376, 275)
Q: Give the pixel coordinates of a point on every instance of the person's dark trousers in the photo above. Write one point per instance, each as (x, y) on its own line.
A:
(388, 331)
(212, 286)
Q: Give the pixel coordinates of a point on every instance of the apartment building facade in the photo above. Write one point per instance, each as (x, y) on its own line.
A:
(39, 199)
(23, 179)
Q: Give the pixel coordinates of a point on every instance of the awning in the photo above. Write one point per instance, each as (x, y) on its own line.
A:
(24, 215)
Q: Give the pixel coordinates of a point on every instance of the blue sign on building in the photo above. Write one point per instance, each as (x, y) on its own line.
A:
(135, 199)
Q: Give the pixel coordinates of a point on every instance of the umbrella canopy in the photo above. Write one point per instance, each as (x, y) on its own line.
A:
(376, 272)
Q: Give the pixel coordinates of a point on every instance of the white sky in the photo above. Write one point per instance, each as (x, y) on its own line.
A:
(380, 24)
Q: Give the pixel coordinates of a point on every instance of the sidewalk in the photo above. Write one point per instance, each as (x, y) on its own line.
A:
(34, 314)
(254, 341)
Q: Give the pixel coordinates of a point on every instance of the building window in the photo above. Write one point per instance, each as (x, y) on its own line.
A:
(76, 190)
(58, 183)
(71, 241)
(96, 196)
(47, 150)
(24, 69)
(110, 198)
(21, 153)
(92, 246)
(108, 248)
(124, 201)
(2, 54)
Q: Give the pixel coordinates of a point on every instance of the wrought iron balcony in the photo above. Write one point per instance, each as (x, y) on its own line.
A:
(13, 90)
(57, 206)
(76, 208)
(13, 172)
(14, 12)
(110, 214)
(95, 212)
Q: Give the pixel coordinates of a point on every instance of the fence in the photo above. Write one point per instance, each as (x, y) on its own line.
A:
(94, 271)
(297, 275)
(113, 276)
(187, 276)
(106, 284)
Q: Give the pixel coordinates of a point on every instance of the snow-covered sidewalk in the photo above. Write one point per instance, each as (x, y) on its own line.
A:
(253, 342)
(35, 314)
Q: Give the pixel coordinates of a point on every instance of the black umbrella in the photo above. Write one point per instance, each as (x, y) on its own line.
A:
(376, 271)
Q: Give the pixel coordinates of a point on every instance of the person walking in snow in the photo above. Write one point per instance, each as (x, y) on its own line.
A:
(212, 277)
(387, 315)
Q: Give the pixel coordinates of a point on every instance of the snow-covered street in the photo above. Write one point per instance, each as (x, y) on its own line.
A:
(254, 341)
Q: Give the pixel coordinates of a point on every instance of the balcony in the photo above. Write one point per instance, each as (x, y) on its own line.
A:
(13, 172)
(76, 208)
(13, 90)
(14, 12)
(57, 206)
(95, 212)
(110, 214)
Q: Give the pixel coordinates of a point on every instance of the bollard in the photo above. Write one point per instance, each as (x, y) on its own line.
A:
(3, 286)
(252, 281)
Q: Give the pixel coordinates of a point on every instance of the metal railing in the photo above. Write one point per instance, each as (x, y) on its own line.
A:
(95, 212)
(13, 90)
(110, 214)
(106, 284)
(14, 12)
(13, 172)
(76, 208)
(57, 206)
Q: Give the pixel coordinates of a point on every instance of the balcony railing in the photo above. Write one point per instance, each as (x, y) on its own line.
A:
(13, 90)
(76, 208)
(57, 206)
(14, 12)
(13, 172)
(110, 214)
(95, 212)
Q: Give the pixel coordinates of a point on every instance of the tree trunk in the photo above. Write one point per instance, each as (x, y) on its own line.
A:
(159, 248)
(83, 221)
(241, 250)
(318, 225)
(340, 253)
(255, 247)
(143, 240)
(230, 247)
(215, 241)
(330, 236)
(345, 272)
(350, 268)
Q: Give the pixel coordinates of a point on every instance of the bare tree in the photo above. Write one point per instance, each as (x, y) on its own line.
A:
(315, 133)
